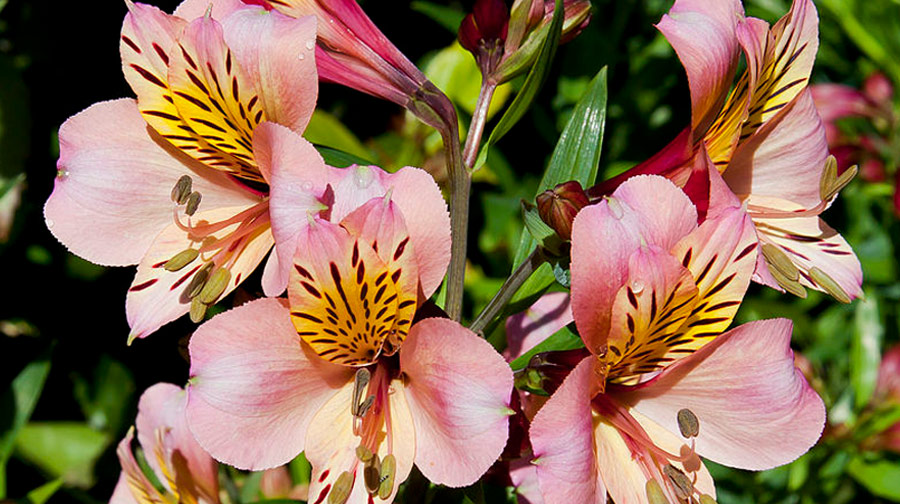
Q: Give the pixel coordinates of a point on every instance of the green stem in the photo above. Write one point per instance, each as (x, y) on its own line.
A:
(479, 119)
(460, 185)
(508, 290)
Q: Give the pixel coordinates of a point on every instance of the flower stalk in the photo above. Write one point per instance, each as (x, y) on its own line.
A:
(507, 290)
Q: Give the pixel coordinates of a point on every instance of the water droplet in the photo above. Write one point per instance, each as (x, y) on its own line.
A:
(363, 177)
(310, 44)
(637, 286)
(50, 223)
(301, 57)
(615, 208)
(307, 186)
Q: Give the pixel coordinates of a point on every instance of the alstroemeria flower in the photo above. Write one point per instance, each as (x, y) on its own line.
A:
(764, 136)
(651, 293)
(204, 89)
(341, 371)
(187, 473)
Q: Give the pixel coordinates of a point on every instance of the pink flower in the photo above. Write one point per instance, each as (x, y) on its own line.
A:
(204, 89)
(651, 293)
(341, 370)
(764, 137)
(187, 473)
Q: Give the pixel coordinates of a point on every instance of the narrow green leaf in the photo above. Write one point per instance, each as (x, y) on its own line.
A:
(42, 494)
(879, 477)
(448, 17)
(66, 450)
(533, 82)
(564, 339)
(340, 159)
(865, 349)
(19, 401)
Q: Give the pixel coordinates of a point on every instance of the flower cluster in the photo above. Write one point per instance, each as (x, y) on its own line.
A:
(206, 174)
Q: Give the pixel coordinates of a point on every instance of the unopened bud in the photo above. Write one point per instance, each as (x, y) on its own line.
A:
(340, 491)
(688, 423)
(559, 206)
(483, 32)
(215, 286)
(680, 481)
(198, 310)
(182, 190)
(388, 471)
(577, 16)
(193, 203)
(655, 494)
(181, 259)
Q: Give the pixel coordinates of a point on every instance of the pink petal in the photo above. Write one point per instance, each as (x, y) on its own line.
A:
(297, 176)
(756, 410)
(784, 158)
(122, 492)
(277, 52)
(162, 408)
(458, 391)
(562, 435)
(158, 296)
(135, 479)
(669, 161)
(255, 388)
(834, 101)
(192, 9)
(523, 475)
(703, 34)
(526, 329)
(112, 192)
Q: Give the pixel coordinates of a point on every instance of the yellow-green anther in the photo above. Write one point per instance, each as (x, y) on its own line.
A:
(776, 258)
(182, 190)
(359, 384)
(834, 181)
(706, 499)
(680, 482)
(215, 286)
(181, 259)
(193, 202)
(372, 475)
(688, 423)
(340, 491)
(826, 282)
(792, 286)
(199, 280)
(364, 406)
(198, 310)
(829, 177)
(363, 454)
(655, 494)
(388, 470)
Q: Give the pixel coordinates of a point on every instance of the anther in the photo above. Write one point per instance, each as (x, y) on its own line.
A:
(199, 280)
(215, 286)
(706, 499)
(655, 494)
(776, 258)
(684, 489)
(363, 453)
(198, 310)
(181, 259)
(182, 190)
(826, 282)
(340, 491)
(372, 474)
(365, 405)
(359, 384)
(388, 470)
(193, 202)
(688, 423)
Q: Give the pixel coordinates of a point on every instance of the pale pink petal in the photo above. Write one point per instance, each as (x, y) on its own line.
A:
(784, 158)
(458, 391)
(703, 34)
(277, 52)
(834, 101)
(720, 196)
(663, 214)
(192, 9)
(114, 180)
(523, 475)
(161, 417)
(122, 493)
(158, 296)
(297, 176)
(562, 435)
(255, 387)
(526, 329)
(756, 410)
(136, 482)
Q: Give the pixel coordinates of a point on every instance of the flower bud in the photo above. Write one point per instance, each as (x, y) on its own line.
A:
(878, 88)
(577, 17)
(559, 206)
(483, 33)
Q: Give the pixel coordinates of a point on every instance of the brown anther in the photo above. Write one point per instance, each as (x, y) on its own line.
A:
(360, 381)
(831, 183)
(363, 454)
(199, 280)
(340, 490)
(181, 259)
(193, 203)
(388, 471)
(706, 499)
(826, 282)
(684, 489)
(688, 423)
(198, 310)
(365, 405)
(182, 190)
(655, 494)
(792, 286)
(215, 286)
(372, 474)
(776, 258)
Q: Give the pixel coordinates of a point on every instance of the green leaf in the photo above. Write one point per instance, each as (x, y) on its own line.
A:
(448, 17)
(42, 494)
(533, 82)
(300, 469)
(865, 349)
(341, 159)
(103, 401)
(879, 477)
(18, 402)
(564, 339)
(326, 130)
(66, 450)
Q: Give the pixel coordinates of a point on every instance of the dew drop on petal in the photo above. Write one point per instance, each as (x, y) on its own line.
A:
(310, 44)
(307, 186)
(50, 223)
(363, 177)
(637, 286)
(615, 208)
(301, 57)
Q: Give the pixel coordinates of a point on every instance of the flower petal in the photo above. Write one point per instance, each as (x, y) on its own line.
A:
(115, 176)
(562, 437)
(756, 410)
(277, 51)
(458, 391)
(192, 9)
(254, 388)
(122, 493)
(526, 329)
(158, 296)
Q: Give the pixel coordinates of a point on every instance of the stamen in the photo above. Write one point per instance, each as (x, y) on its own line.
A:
(215, 286)
(682, 485)
(359, 383)
(199, 280)
(193, 203)
(340, 491)
(182, 190)
(831, 287)
(181, 259)
(706, 499)
(388, 470)
(198, 310)
(655, 494)
(778, 259)
(372, 474)
(365, 405)
(363, 453)
(688, 423)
